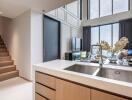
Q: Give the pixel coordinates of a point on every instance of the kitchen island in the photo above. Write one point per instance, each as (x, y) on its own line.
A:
(52, 82)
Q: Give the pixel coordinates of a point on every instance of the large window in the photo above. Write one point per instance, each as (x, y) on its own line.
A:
(108, 33)
(74, 8)
(120, 6)
(101, 8)
(94, 9)
(95, 35)
(105, 9)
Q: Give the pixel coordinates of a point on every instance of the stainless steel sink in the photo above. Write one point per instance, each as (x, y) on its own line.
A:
(108, 73)
(82, 69)
(115, 74)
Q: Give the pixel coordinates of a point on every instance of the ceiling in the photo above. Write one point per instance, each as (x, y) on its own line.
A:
(13, 8)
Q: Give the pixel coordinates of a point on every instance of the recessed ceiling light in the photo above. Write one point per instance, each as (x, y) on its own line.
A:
(1, 12)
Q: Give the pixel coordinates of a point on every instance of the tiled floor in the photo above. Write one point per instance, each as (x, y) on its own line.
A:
(16, 89)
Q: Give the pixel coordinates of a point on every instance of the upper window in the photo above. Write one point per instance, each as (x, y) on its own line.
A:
(74, 8)
(94, 9)
(105, 9)
(100, 8)
(120, 6)
(108, 33)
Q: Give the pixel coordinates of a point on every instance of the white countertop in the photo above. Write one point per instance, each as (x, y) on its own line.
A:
(56, 68)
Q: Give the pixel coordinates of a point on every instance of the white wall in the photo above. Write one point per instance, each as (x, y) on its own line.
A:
(36, 37)
(106, 19)
(65, 39)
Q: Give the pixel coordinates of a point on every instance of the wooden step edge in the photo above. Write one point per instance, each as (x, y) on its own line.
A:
(10, 66)
(6, 63)
(5, 58)
(7, 69)
(8, 75)
(3, 54)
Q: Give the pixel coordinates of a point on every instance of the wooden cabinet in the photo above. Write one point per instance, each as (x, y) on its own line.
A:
(45, 91)
(39, 97)
(70, 91)
(51, 88)
(46, 80)
(45, 87)
(97, 95)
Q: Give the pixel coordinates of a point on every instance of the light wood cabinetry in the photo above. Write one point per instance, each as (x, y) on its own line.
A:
(46, 80)
(45, 91)
(51, 88)
(38, 97)
(70, 91)
(97, 95)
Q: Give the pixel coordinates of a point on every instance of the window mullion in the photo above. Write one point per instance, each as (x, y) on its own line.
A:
(112, 7)
(99, 35)
(112, 35)
(99, 8)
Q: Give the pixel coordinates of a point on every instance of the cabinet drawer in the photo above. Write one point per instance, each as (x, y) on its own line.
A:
(44, 91)
(98, 95)
(70, 91)
(38, 97)
(46, 80)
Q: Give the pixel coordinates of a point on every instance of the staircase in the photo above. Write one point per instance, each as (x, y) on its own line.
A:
(7, 67)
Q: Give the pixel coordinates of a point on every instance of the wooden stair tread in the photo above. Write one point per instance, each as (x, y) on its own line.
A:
(8, 75)
(4, 58)
(7, 69)
(3, 49)
(6, 63)
(2, 54)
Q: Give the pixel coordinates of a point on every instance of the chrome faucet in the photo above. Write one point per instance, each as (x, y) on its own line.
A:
(100, 54)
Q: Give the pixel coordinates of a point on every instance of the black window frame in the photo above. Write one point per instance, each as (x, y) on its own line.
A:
(88, 9)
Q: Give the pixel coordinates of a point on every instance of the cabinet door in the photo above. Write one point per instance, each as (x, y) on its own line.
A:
(70, 91)
(97, 95)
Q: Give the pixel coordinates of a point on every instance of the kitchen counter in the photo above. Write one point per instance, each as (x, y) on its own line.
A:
(56, 68)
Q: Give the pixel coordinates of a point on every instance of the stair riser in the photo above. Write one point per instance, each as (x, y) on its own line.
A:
(1, 42)
(5, 59)
(3, 50)
(4, 70)
(2, 46)
(8, 76)
(6, 64)
(2, 54)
